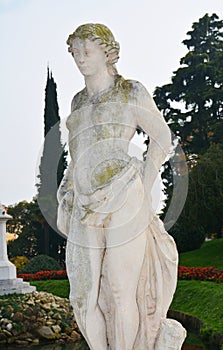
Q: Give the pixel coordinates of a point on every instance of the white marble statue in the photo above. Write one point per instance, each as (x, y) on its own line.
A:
(121, 263)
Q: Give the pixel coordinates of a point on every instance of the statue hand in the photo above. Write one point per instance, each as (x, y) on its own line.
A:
(96, 198)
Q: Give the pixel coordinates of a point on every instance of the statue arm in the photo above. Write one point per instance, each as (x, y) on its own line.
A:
(67, 184)
(65, 196)
(151, 121)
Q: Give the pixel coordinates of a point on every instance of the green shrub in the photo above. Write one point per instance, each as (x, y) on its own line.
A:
(20, 262)
(187, 235)
(41, 263)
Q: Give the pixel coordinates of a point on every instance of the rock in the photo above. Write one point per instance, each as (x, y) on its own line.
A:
(10, 308)
(38, 315)
(22, 342)
(46, 307)
(57, 316)
(24, 336)
(46, 333)
(18, 316)
(68, 330)
(11, 340)
(7, 333)
(35, 341)
(55, 306)
(75, 336)
(9, 327)
(4, 321)
(56, 329)
(30, 340)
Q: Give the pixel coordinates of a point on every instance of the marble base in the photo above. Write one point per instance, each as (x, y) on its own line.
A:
(16, 285)
(7, 270)
(171, 335)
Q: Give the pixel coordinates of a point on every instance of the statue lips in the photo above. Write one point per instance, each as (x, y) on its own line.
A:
(83, 69)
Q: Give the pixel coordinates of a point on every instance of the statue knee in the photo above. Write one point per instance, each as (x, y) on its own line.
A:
(121, 295)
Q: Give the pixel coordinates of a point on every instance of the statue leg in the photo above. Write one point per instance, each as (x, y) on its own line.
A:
(124, 259)
(84, 271)
(124, 265)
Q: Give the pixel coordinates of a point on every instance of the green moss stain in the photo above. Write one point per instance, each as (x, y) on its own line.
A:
(108, 173)
(87, 212)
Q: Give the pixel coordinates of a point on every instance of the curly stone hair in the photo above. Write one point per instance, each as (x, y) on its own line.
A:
(103, 36)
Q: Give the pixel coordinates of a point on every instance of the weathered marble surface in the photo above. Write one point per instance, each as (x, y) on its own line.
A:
(121, 263)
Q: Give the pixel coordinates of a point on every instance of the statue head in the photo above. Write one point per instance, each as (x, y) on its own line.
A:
(102, 35)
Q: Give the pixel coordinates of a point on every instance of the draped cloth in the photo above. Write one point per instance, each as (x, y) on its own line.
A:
(158, 275)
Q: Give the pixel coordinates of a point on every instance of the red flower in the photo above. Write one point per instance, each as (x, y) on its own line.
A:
(44, 275)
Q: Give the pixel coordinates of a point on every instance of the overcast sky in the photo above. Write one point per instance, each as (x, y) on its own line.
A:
(33, 34)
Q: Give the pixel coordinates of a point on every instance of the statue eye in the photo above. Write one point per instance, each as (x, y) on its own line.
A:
(75, 52)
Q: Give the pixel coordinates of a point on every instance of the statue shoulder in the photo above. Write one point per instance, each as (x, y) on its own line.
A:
(131, 90)
(78, 99)
(134, 87)
(140, 94)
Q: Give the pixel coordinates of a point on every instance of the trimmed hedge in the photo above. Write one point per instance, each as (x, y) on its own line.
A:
(41, 263)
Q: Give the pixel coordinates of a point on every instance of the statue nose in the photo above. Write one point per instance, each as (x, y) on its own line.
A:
(81, 58)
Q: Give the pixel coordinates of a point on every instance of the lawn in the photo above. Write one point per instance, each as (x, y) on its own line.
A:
(197, 298)
(57, 287)
(201, 299)
(210, 254)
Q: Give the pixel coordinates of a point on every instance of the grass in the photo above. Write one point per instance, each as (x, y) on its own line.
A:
(210, 254)
(59, 288)
(203, 300)
(193, 339)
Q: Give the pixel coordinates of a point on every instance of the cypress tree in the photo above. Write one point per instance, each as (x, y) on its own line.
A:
(51, 170)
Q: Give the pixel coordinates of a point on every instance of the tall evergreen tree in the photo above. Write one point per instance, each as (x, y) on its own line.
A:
(192, 103)
(52, 166)
(196, 88)
(204, 203)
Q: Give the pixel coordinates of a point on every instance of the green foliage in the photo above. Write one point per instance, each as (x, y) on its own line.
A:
(210, 254)
(193, 340)
(26, 223)
(20, 262)
(52, 166)
(41, 263)
(204, 204)
(60, 288)
(203, 300)
(37, 229)
(192, 103)
(187, 235)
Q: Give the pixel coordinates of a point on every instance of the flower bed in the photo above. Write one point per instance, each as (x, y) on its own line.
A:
(44, 275)
(200, 273)
(184, 273)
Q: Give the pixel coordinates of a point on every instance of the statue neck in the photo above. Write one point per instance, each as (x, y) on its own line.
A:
(99, 82)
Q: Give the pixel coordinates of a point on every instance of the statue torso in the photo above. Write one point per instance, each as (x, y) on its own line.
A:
(100, 129)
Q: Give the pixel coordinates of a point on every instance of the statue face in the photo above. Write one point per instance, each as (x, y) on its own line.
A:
(89, 57)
